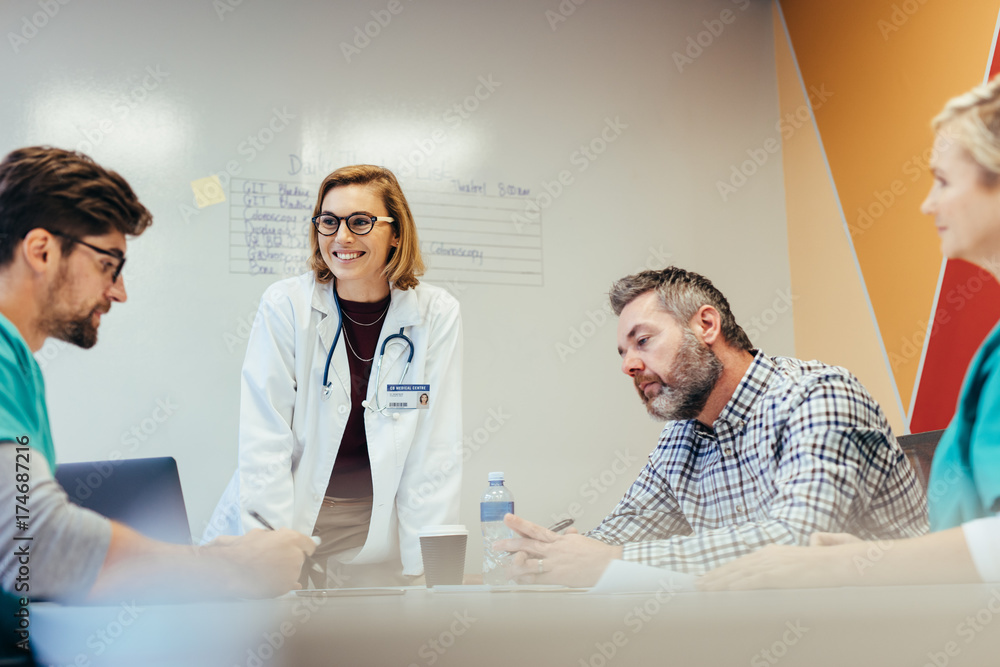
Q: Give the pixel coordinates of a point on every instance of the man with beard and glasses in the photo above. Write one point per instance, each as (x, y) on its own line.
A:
(756, 450)
(63, 223)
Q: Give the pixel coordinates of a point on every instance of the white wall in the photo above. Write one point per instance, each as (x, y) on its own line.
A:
(649, 199)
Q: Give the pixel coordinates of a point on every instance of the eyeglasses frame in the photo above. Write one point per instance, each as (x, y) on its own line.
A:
(102, 251)
(342, 220)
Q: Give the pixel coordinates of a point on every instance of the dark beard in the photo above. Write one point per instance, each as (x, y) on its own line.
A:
(685, 392)
(79, 331)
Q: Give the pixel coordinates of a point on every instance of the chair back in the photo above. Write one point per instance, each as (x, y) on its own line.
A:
(919, 449)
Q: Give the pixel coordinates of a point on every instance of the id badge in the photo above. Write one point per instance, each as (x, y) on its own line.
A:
(409, 396)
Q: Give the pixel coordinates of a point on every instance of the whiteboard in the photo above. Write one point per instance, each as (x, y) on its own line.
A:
(571, 132)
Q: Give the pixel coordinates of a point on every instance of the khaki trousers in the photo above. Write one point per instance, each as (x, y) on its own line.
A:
(342, 524)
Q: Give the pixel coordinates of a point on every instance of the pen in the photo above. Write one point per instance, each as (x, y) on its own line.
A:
(561, 525)
(267, 524)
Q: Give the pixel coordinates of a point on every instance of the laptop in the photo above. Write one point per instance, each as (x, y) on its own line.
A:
(143, 494)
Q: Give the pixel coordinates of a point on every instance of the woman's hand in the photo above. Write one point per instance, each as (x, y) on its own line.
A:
(832, 539)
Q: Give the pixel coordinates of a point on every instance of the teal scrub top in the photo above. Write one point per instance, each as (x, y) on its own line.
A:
(965, 475)
(24, 419)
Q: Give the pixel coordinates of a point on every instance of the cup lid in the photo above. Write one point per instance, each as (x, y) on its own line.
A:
(452, 529)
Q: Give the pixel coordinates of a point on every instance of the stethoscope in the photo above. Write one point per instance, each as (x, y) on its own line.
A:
(328, 386)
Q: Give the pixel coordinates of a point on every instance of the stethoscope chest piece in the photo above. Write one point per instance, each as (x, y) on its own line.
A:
(399, 337)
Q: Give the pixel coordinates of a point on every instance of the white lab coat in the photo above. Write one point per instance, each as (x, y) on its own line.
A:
(289, 434)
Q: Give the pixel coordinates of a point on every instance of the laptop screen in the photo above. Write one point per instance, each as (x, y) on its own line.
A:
(143, 494)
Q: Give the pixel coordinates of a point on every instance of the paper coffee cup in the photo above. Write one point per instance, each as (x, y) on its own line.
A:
(443, 551)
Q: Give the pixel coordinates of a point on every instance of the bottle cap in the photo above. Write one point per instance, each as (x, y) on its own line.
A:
(496, 476)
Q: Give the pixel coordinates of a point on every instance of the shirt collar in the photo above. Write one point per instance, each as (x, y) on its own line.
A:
(404, 308)
(751, 387)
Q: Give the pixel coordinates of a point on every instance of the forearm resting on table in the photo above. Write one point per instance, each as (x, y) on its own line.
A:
(936, 558)
(259, 564)
(135, 563)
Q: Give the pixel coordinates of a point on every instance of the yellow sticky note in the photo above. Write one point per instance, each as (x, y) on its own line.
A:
(208, 191)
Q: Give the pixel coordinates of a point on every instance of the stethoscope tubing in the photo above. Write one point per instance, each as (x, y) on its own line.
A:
(378, 369)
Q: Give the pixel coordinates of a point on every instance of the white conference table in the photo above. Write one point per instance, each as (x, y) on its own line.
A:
(906, 625)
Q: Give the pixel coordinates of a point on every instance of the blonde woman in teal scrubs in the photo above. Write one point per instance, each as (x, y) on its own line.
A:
(965, 544)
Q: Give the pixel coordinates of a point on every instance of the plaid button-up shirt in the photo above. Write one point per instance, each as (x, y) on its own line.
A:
(801, 447)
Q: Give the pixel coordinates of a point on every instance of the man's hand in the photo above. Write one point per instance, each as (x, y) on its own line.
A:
(265, 563)
(544, 557)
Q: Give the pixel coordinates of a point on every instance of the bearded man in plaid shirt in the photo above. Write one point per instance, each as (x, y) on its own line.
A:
(756, 449)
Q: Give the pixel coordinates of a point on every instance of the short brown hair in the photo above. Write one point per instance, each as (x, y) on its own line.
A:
(405, 262)
(682, 294)
(63, 191)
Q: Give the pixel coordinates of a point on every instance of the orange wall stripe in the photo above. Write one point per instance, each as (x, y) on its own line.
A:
(889, 65)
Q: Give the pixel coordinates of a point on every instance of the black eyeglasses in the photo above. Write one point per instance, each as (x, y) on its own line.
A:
(327, 224)
(110, 253)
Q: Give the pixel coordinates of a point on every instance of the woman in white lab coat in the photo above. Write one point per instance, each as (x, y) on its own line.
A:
(323, 448)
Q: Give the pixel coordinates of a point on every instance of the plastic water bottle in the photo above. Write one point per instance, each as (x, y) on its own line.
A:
(496, 501)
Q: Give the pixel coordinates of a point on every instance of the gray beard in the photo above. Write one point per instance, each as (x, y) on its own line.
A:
(685, 393)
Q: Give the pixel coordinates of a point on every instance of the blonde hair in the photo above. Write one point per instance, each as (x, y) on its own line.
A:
(405, 262)
(973, 120)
